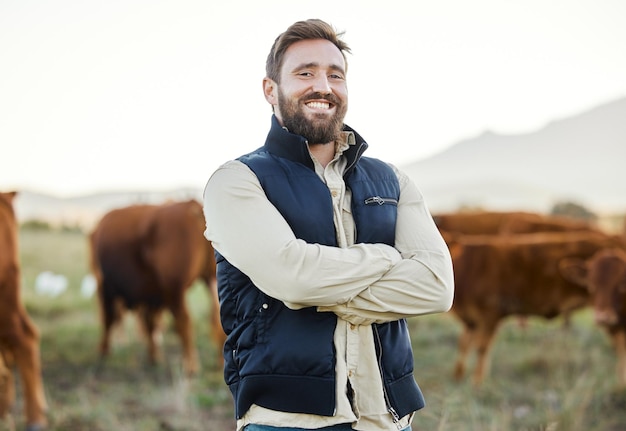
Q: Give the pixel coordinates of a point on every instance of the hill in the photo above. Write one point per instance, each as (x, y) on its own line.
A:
(578, 159)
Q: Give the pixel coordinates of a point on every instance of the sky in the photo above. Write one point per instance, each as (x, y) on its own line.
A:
(131, 95)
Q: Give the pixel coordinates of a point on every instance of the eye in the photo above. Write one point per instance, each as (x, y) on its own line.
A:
(335, 76)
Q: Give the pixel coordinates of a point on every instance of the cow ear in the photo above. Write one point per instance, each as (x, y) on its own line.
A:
(574, 270)
(451, 238)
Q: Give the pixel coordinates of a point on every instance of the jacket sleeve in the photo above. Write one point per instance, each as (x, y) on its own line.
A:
(252, 235)
(422, 282)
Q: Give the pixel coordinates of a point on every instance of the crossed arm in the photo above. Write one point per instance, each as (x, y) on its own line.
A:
(363, 283)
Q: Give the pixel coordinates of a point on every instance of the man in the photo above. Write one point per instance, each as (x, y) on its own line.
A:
(321, 255)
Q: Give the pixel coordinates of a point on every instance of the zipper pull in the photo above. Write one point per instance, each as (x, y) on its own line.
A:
(380, 201)
(374, 200)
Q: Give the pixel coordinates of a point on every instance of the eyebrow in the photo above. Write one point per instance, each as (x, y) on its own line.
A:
(311, 65)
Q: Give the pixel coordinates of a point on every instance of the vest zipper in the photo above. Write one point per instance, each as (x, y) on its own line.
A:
(380, 201)
(390, 409)
(359, 153)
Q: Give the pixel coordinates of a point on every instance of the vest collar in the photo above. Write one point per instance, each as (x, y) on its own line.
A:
(282, 143)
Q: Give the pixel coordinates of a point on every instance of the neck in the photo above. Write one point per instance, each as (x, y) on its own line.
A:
(323, 153)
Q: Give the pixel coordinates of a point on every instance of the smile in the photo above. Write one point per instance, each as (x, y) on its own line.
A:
(318, 105)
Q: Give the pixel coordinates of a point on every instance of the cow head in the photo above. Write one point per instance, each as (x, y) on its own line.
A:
(604, 275)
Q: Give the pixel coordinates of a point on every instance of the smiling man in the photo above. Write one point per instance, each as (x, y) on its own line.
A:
(312, 98)
(321, 254)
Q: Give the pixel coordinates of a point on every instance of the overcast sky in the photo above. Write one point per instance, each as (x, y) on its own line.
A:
(152, 95)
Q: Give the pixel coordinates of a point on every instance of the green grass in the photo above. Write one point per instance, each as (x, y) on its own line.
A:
(123, 393)
(544, 377)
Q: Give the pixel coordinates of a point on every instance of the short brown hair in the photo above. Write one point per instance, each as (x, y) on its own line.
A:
(301, 30)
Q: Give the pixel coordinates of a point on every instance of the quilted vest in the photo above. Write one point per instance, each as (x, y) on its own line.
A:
(284, 359)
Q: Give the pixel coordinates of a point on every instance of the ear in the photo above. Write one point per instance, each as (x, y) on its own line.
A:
(270, 91)
(452, 240)
(574, 270)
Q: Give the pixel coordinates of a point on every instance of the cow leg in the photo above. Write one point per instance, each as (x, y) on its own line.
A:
(7, 390)
(466, 340)
(110, 315)
(484, 340)
(217, 332)
(619, 341)
(27, 358)
(184, 328)
(151, 322)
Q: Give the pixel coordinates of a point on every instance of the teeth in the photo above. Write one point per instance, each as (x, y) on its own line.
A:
(318, 105)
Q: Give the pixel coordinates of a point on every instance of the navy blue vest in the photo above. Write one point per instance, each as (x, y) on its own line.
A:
(284, 359)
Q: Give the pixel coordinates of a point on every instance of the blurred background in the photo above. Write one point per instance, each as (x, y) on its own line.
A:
(487, 105)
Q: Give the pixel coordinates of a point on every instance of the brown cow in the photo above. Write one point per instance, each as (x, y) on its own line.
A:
(19, 338)
(498, 276)
(604, 275)
(144, 258)
(505, 222)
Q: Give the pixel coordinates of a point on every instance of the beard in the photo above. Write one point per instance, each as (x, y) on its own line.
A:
(321, 129)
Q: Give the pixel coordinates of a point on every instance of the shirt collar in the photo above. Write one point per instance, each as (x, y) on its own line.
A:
(282, 143)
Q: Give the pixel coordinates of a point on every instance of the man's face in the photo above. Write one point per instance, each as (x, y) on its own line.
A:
(312, 97)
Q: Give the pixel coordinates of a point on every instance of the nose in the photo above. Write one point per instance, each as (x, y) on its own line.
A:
(321, 84)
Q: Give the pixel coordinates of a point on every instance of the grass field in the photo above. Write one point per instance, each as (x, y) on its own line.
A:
(544, 377)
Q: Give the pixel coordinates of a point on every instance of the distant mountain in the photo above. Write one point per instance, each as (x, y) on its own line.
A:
(580, 159)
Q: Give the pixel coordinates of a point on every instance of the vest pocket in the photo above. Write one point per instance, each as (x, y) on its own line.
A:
(377, 200)
(265, 308)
